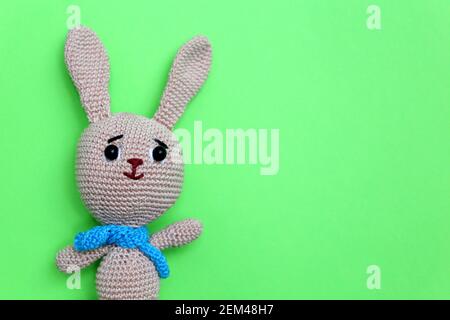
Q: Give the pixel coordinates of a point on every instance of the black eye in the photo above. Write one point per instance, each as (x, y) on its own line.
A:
(111, 152)
(159, 153)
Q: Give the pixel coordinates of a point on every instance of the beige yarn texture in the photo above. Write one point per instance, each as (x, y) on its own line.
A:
(88, 65)
(111, 196)
(188, 73)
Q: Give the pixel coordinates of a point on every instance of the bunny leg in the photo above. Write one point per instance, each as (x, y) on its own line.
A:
(68, 258)
(177, 234)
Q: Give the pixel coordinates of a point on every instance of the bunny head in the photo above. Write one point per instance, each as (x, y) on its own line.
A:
(129, 168)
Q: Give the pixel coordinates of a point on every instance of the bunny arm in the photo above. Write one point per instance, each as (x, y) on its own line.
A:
(68, 258)
(177, 234)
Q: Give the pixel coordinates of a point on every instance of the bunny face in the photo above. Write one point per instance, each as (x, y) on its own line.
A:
(129, 167)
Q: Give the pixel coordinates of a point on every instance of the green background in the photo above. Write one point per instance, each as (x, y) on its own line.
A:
(364, 144)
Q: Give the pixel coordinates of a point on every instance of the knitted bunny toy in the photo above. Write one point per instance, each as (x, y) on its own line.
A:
(129, 171)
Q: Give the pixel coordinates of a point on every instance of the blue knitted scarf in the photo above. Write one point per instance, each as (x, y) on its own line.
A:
(125, 237)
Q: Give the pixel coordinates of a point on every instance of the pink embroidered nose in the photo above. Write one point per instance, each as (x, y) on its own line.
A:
(135, 162)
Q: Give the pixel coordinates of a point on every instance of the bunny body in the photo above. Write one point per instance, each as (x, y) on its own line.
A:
(127, 274)
(129, 168)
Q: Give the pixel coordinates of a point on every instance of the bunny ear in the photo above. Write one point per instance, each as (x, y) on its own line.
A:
(189, 71)
(88, 65)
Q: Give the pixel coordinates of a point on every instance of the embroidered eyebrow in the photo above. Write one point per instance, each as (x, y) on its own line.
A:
(115, 138)
(162, 144)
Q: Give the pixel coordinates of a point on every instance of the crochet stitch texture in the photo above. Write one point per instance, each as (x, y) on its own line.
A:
(125, 237)
(120, 182)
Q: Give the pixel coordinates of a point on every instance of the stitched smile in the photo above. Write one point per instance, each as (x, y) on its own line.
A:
(135, 163)
(132, 175)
